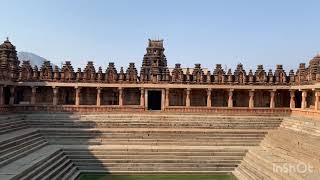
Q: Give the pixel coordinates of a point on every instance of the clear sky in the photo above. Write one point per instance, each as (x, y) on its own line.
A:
(252, 32)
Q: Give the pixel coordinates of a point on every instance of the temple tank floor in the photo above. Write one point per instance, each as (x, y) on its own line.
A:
(91, 176)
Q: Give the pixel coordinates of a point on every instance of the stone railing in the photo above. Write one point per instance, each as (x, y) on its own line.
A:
(71, 108)
(311, 113)
(231, 111)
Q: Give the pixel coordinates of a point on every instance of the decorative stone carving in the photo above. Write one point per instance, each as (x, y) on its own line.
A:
(9, 63)
(240, 75)
(26, 71)
(111, 73)
(79, 75)
(131, 74)
(188, 75)
(67, 72)
(35, 73)
(89, 73)
(230, 76)
(56, 75)
(219, 74)
(197, 74)
(270, 76)
(291, 76)
(251, 77)
(121, 75)
(100, 74)
(301, 74)
(46, 71)
(314, 67)
(177, 74)
(208, 78)
(261, 75)
(280, 75)
(154, 63)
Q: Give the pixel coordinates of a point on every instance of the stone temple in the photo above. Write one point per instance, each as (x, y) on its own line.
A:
(59, 122)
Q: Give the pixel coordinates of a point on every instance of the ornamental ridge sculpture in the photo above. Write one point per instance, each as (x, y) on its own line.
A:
(154, 70)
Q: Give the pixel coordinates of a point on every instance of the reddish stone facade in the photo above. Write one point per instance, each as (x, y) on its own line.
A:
(157, 87)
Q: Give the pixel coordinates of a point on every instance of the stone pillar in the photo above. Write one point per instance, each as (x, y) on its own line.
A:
(230, 99)
(11, 101)
(33, 95)
(251, 99)
(98, 96)
(167, 97)
(55, 95)
(317, 101)
(188, 97)
(272, 101)
(142, 99)
(304, 99)
(78, 89)
(1, 95)
(209, 97)
(163, 99)
(292, 100)
(120, 96)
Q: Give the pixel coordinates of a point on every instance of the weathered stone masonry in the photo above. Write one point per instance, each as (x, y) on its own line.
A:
(157, 87)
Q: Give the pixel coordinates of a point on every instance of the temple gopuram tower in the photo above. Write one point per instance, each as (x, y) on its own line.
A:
(9, 63)
(154, 66)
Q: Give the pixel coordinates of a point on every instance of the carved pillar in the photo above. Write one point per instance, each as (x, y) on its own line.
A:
(209, 97)
(167, 97)
(1, 95)
(230, 99)
(188, 97)
(292, 100)
(272, 101)
(142, 99)
(317, 101)
(251, 99)
(33, 95)
(98, 96)
(78, 89)
(304, 99)
(163, 98)
(55, 95)
(11, 101)
(120, 96)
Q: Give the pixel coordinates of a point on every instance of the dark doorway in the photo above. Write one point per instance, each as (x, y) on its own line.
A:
(154, 100)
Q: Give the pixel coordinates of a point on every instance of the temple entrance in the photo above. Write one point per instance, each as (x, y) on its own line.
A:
(154, 100)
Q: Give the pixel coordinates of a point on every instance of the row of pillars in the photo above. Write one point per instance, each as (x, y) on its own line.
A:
(230, 98)
(166, 95)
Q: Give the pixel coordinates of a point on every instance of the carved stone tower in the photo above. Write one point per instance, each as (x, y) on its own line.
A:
(9, 63)
(154, 66)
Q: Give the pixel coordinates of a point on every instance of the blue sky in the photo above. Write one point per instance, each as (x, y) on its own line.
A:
(207, 32)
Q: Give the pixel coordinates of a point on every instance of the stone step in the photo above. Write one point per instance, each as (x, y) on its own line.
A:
(53, 169)
(89, 160)
(63, 142)
(70, 174)
(16, 154)
(138, 152)
(26, 163)
(155, 165)
(41, 166)
(7, 148)
(156, 169)
(148, 157)
(13, 136)
(63, 172)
